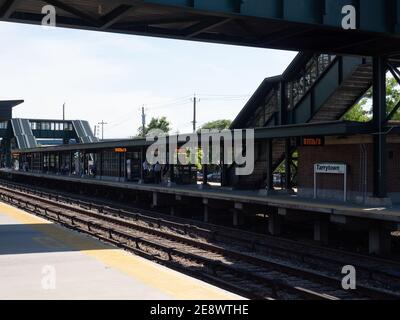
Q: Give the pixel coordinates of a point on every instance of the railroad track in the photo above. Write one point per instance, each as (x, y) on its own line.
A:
(371, 271)
(180, 246)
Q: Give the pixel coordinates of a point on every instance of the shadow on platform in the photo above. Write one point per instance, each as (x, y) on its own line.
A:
(43, 238)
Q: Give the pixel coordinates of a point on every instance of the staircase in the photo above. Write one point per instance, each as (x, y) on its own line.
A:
(84, 132)
(314, 88)
(23, 133)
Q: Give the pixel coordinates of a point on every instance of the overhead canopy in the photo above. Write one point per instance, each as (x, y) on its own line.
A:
(6, 108)
(10, 103)
(310, 129)
(299, 25)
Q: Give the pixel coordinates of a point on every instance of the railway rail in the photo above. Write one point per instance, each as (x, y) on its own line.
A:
(240, 261)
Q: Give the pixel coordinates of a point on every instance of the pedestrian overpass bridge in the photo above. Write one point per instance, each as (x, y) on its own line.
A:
(301, 25)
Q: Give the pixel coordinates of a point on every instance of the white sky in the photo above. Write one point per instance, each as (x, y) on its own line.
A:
(103, 76)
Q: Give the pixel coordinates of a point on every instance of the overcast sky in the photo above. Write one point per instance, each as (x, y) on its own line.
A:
(103, 76)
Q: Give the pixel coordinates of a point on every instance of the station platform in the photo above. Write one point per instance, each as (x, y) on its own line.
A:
(281, 201)
(42, 260)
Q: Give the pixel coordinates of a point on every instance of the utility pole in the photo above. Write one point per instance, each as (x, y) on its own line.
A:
(64, 111)
(143, 122)
(102, 123)
(195, 100)
(95, 130)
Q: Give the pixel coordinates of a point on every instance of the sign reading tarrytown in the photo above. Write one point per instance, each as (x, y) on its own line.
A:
(333, 168)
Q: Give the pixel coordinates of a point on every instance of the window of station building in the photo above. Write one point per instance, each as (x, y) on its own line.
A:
(3, 125)
(68, 127)
(59, 126)
(45, 126)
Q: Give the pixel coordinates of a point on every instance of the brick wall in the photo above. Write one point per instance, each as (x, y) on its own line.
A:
(331, 186)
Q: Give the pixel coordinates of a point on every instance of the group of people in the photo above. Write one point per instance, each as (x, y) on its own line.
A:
(154, 171)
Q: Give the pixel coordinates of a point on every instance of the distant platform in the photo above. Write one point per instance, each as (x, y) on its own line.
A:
(282, 201)
(42, 260)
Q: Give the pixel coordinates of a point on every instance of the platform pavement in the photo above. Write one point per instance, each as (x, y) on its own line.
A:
(41, 260)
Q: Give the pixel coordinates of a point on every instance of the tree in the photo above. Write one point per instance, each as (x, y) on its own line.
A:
(360, 112)
(393, 96)
(217, 125)
(156, 123)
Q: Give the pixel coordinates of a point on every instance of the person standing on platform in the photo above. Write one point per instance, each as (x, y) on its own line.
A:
(145, 169)
(157, 172)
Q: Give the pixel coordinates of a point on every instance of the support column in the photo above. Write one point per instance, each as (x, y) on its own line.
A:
(223, 166)
(321, 231)
(379, 240)
(172, 173)
(119, 166)
(205, 173)
(379, 119)
(206, 217)
(142, 158)
(71, 162)
(270, 173)
(275, 224)
(59, 163)
(288, 162)
(155, 200)
(101, 164)
(237, 214)
(7, 146)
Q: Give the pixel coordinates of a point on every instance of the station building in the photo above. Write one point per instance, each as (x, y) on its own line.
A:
(17, 133)
(334, 171)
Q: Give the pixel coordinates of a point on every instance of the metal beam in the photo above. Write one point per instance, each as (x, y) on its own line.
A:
(204, 26)
(155, 22)
(76, 12)
(395, 72)
(113, 16)
(393, 112)
(248, 30)
(8, 8)
(285, 33)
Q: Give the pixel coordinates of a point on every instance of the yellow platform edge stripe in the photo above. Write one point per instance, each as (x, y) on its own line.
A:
(170, 282)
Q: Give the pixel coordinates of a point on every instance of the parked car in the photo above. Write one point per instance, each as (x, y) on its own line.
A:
(214, 177)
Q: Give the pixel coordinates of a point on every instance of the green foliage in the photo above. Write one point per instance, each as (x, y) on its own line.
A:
(361, 113)
(393, 96)
(358, 112)
(156, 123)
(217, 125)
